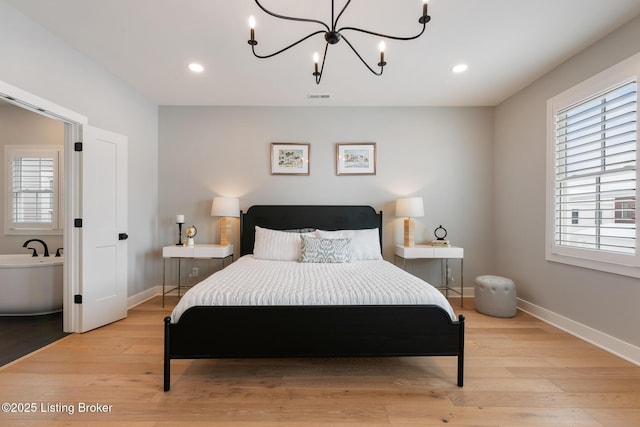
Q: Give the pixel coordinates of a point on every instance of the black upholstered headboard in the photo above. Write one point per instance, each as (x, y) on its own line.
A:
(288, 217)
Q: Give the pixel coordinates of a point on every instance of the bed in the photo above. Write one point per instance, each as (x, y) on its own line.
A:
(350, 327)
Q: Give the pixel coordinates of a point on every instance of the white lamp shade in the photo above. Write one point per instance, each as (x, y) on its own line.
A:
(410, 207)
(225, 206)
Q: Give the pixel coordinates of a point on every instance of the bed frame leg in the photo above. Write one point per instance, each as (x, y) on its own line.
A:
(461, 355)
(167, 359)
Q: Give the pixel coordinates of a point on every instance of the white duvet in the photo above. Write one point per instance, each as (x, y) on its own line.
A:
(250, 281)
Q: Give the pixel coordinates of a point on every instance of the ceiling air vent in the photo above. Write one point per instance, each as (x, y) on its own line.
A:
(318, 96)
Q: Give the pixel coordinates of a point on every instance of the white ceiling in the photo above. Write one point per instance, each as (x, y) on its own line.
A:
(507, 44)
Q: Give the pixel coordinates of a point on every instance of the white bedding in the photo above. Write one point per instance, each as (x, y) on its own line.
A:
(250, 281)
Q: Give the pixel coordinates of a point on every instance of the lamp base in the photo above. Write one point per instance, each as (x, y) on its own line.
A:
(408, 233)
(225, 231)
(179, 234)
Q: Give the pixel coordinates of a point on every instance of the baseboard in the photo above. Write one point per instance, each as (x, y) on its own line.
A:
(146, 295)
(606, 342)
(143, 296)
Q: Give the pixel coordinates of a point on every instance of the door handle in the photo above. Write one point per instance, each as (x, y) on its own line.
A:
(123, 236)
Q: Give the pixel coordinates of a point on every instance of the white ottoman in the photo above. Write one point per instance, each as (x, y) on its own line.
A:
(495, 296)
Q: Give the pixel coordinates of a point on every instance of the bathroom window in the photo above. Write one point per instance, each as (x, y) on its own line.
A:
(33, 192)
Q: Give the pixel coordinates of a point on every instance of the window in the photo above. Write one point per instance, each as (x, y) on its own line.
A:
(575, 217)
(592, 172)
(33, 191)
(595, 147)
(626, 210)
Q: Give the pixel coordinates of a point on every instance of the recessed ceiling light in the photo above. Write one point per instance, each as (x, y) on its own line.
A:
(460, 68)
(196, 68)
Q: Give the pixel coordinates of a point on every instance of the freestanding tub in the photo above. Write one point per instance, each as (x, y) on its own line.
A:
(30, 285)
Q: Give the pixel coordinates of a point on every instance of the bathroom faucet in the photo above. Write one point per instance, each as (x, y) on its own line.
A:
(44, 245)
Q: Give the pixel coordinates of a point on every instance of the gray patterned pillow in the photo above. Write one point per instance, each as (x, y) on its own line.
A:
(318, 250)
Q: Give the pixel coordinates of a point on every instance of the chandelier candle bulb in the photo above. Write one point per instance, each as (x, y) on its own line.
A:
(425, 5)
(252, 26)
(382, 47)
(316, 59)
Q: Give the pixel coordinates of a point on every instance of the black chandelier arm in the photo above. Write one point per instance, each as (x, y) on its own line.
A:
(363, 61)
(373, 33)
(335, 22)
(291, 18)
(253, 46)
(318, 75)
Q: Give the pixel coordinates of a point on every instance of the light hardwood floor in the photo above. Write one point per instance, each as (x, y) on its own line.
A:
(519, 372)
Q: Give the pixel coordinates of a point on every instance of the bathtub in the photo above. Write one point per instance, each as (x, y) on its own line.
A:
(30, 285)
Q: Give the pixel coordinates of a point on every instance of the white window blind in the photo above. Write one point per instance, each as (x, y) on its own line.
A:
(33, 189)
(595, 172)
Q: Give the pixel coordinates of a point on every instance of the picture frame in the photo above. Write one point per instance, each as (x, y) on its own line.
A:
(356, 158)
(290, 158)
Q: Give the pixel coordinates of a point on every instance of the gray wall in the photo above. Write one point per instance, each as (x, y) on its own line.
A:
(605, 302)
(441, 154)
(36, 61)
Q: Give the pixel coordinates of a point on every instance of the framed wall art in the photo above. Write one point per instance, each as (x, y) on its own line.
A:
(288, 158)
(356, 159)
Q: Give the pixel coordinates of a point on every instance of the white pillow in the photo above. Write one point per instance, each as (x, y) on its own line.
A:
(277, 245)
(365, 244)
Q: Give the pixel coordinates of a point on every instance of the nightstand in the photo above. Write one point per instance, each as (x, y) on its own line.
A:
(436, 252)
(205, 251)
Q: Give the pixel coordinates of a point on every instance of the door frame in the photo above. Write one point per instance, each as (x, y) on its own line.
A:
(73, 125)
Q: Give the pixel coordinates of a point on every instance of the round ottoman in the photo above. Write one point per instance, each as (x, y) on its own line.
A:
(495, 296)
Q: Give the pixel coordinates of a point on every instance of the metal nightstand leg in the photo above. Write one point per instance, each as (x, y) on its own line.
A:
(461, 282)
(164, 274)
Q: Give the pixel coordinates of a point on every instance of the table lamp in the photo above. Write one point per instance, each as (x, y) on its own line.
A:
(409, 207)
(226, 208)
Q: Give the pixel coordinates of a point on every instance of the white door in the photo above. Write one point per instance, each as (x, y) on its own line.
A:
(103, 276)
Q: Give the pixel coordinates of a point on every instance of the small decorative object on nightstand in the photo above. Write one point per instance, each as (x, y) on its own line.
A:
(409, 207)
(191, 233)
(225, 207)
(440, 234)
(179, 221)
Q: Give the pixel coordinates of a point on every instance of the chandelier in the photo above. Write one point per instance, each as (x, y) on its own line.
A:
(332, 35)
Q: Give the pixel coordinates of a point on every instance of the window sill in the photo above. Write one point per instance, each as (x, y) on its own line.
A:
(33, 232)
(607, 267)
